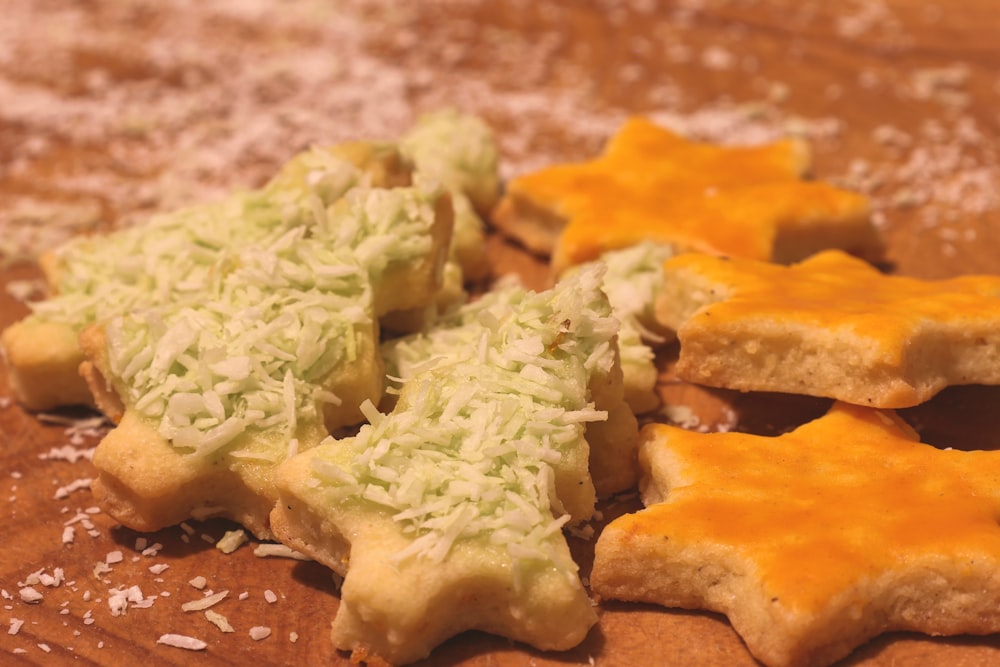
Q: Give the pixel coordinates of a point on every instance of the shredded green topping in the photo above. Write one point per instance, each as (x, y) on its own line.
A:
(470, 450)
(254, 355)
(383, 228)
(457, 150)
(260, 348)
(634, 277)
(177, 255)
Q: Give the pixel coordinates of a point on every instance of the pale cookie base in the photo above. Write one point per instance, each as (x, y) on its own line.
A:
(536, 228)
(613, 443)
(639, 381)
(43, 359)
(146, 484)
(399, 613)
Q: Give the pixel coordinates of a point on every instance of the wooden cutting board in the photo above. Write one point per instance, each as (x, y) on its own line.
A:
(110, 110)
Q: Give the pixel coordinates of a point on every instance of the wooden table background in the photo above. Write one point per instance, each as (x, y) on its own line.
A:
(113, 109)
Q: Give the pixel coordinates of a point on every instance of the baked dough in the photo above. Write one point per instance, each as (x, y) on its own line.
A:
(651, 184)
(815, 541)
(830, 326)
(446, 513)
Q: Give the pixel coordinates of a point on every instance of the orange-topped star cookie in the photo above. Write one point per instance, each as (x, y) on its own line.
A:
(830, 326)
(815, 541)
(651, 184)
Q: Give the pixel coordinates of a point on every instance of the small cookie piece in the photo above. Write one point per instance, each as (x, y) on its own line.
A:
(830, 326)
(218, 389)
(446, 514)
(815, 541)
(171, 258)
(458, 152)
(632, 281)
(43, 359)
(650, 184)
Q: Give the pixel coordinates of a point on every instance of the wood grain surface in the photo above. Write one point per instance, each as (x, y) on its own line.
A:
(113, 109)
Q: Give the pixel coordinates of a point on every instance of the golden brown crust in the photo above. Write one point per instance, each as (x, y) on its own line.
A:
(652, 185)
(830, 326)
(797, 539)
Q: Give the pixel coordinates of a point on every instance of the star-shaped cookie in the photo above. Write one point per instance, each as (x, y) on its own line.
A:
(815, 541)
(830, 326)
(650, 184)
(446, 513)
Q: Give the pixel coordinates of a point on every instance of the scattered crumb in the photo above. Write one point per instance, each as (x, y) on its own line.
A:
(199, 582)
(153, 550)
(259, 632)
(219, 621)
(63, 491)
(231, 541)
(205, 602)
(182, 641)
(279, 551)
(30, 595)
(120, 599)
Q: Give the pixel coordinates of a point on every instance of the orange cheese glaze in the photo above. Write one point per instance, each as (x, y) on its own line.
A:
(651, 184)
(832, 289)
(820, 509)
